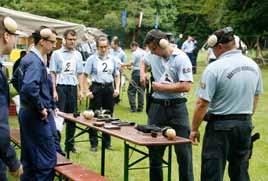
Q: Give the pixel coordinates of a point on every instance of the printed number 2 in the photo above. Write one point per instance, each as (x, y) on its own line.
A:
(68, 65)
(104, 67)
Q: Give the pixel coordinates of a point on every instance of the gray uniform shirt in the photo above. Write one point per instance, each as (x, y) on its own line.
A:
(101, 69)
(67, 65)
(230, 84)
(176, 68)
(137, 55)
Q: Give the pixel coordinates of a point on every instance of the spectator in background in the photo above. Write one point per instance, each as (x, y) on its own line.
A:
(188, 47)
(17, 63)
(119, 53)
(210, 56)
(134, 85)
(87, 47)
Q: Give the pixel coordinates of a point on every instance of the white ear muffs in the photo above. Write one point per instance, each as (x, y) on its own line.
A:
(46, 33)
(212, 41)
(163, 43)
(10, 25)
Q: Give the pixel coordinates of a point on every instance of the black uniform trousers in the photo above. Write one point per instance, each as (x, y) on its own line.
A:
(176, 116)
(103, 98)
(226, 140)
(132, 92)
(68, 103)
(193, 61)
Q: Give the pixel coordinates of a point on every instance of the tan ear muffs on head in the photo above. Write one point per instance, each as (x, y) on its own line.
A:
(163, 43)
(10, 25)
(47, 34)
(212, 40)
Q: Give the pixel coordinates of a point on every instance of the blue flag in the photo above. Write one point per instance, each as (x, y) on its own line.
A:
(124, 18)
(156, 22)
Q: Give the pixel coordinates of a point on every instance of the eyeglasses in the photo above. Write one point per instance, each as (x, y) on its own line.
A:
(103, 46)
(71, 39)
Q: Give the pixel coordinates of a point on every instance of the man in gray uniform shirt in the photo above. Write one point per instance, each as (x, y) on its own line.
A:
(103, 70)
(172, 72)
(66, 71)
(135, 87)
(228, 95)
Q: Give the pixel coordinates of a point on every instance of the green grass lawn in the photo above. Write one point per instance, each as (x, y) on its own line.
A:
(114, 159)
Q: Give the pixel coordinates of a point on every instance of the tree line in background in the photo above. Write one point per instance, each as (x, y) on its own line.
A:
(199, 18)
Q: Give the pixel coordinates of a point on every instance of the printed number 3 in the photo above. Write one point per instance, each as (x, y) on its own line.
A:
(104, 67)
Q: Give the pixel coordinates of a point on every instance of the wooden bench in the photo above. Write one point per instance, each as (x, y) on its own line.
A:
(76, 172)
(65, 168)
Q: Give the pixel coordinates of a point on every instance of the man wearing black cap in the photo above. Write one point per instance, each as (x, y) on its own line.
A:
(227, 98)
(8, 157)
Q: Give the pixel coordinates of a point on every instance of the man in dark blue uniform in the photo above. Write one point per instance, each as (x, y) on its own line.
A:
(38, 151)
(228, 95)
(7, 153)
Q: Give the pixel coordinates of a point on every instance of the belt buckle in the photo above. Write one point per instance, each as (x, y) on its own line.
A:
(167, 103)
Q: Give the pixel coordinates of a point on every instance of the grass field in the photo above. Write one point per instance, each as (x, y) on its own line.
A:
(114, 159)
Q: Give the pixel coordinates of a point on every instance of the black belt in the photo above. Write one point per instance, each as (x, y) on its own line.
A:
(102, 84)
(169, 102)
(64, 85)
(215, 117)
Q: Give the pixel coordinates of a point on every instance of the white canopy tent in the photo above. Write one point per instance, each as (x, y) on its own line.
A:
(27, 23)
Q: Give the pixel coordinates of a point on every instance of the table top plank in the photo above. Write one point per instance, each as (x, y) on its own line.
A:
(127, 133)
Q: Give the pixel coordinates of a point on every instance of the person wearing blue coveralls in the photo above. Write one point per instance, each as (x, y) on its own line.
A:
(66, 69)
(103, 71)
(135, 88)
(172, 73)
(7, 152)
(227, 98)
(38, 149)
(119, 53)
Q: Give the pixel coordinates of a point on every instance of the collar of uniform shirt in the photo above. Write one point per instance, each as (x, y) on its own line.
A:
(37, 52)
(105, 57)
(230, 52)
(64, 49)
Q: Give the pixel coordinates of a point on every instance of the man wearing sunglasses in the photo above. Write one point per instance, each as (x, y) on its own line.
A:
(227, 98)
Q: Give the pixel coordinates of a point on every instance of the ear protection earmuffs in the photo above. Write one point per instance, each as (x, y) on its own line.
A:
(45, 33)
(10, 25)
(163, 43)
(213, 40)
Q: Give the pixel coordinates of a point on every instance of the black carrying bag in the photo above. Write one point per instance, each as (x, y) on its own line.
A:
(148, 128)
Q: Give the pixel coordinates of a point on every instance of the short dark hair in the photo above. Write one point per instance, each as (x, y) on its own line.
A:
(134, 43)
(69, 31)
(224, 35)
(154, 36)
(115, 40)
(101, 38)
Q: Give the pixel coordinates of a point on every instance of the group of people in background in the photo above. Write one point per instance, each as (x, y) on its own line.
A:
(227, 98)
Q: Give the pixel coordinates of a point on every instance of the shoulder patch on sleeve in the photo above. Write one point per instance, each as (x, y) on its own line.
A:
(202, 85)
(186, 70)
